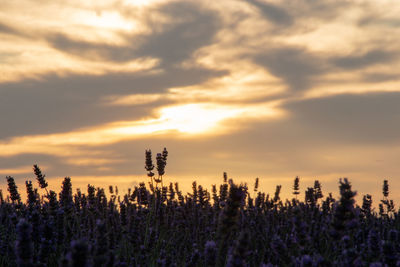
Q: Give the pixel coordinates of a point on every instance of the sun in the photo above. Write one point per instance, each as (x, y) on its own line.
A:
(189, 119)
(195, 118)
(106, 20)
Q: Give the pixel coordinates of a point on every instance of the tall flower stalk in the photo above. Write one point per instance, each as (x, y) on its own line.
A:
(12, 188)
(161, 161)
(149, 165)
(40, 178)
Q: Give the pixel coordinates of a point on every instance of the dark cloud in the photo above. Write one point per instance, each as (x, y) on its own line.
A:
(322, 10)
(377, 77)
(191, 28)
(301, 69)
(370, 58)
(195, 28)
(57, 103)
(58, 167)
(23, 160)
(295, 66)
(373, 19)
(359, 118)
(276, 14)
(93, 51)
(4, 28)
(62, 103)
(291, 14)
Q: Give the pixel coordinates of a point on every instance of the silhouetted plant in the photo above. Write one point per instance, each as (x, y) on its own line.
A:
(387, 206)
(66, 194)
(318, 190)
(32, 198)
(344, 214)
(256, 184)
(228, 220)
(296, 186)
(165, 155)
(277, 192)
(12, 188)
(23, 244)
(310, 196)
(40, 177)
(210, 253)
(149, 164)
(78, 256)
(163, 226)
(385, 189)
(239, 254)
(367, 204)
(161, 161)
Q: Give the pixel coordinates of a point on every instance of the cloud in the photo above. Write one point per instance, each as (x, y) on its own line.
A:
(195, 28)
(274, 13)
(296, 15)
(179, 121)
(301, 69)
(365, 119)
(295, 66)
(91, 50)
(323, 138)
(93, 164)
(189, 28)
(370, 58)
(379, 18)
(57, 103)
(6, 29)
(88, 73)
(378, 77)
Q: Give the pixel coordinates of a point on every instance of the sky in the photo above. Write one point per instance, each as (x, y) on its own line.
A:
(270, 89)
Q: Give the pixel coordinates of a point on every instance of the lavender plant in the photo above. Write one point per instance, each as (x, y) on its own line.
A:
(162, 226)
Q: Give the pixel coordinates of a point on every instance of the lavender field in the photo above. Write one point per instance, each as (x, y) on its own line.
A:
(230, 225)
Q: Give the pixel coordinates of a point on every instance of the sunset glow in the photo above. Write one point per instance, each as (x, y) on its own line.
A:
(256, 88)
(199, 133)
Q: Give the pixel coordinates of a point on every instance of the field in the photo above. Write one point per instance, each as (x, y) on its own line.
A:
(230, 225)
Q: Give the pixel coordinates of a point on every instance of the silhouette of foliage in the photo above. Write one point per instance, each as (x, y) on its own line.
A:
(161, 226)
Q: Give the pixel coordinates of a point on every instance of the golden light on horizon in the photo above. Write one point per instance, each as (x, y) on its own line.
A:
(188, 120)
